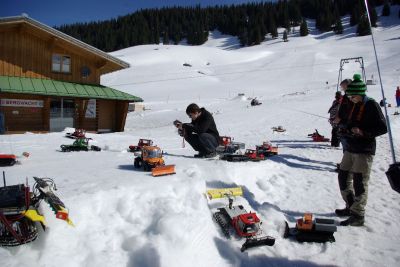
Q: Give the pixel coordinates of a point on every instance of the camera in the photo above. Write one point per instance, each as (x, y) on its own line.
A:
(344, 131)
(180, 131)
(176, 123)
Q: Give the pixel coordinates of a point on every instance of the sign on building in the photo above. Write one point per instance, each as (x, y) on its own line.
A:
(91, 109)
(21, 103)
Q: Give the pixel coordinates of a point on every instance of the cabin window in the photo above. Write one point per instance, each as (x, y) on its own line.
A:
(61, 63)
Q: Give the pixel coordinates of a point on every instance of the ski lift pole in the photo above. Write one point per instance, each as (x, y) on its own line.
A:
(339, 79)
(380, 81)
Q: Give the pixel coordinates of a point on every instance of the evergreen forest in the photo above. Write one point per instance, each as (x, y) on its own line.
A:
(251, 22)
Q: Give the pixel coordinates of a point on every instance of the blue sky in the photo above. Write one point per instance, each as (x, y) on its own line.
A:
(58, 12)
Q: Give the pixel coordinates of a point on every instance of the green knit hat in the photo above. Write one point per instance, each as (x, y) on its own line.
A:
(357, 86)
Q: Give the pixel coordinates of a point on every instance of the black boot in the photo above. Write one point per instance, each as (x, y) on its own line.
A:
(353, 220)
(343, 212)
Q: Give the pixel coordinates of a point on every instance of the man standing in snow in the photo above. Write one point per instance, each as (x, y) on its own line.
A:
(344, 107)
(365, 121)
(332, 115)
(201, 133)
(398, 96)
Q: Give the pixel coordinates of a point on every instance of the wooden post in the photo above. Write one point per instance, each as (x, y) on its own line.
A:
(46, 114)
(121, 113)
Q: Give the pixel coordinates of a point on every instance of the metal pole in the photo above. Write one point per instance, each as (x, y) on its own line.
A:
(380, 81)
(339, 77)
(4, 178)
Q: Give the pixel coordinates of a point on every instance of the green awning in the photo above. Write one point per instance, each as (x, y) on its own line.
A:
(20, 85)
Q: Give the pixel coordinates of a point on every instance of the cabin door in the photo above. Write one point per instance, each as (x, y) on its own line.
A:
(62, 113)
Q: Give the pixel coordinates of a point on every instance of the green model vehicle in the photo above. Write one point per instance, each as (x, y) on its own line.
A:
(81, 144)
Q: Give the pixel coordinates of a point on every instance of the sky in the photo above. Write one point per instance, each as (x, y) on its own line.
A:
(56, 13)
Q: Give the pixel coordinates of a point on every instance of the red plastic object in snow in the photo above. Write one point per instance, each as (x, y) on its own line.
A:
(7, 159)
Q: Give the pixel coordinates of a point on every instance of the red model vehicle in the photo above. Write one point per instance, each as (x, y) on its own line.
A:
(140, 145)
(246, 225)
(7, 159)
(267, 149)
(255, 154)
(78, 134)
(236, 218)
(225, 140)
(316, 137)
(226, 146)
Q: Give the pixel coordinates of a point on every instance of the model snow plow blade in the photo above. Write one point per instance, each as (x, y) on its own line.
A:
(224, 192)
(54, 202)
(257, 242)
(163, 170)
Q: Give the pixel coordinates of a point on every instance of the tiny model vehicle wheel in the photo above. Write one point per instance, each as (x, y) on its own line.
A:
(138, 162)
(146, 167)
(95, 148)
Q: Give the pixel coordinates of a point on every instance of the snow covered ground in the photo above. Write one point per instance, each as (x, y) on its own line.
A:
(126, 217)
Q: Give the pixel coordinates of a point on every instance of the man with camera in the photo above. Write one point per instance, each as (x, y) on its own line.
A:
(365, 121)
(201, 133)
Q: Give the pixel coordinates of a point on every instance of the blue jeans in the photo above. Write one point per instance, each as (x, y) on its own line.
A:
(204, 143)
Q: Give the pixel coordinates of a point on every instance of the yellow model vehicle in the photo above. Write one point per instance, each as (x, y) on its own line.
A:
(151, 160)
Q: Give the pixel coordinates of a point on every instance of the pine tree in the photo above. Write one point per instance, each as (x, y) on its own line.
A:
(386, 9)
(338, 26)
(303, 28)
(273, 29)
(285, 36)
(165, 37)
(363, 26)
(373, 16)
(356, 13)
(243, 37)
(294, 13)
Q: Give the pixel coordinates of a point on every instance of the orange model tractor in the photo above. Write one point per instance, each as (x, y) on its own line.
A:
(151, 159)
(141, 143)
(309, 229)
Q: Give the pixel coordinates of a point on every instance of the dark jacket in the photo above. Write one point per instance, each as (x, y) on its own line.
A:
(203, 124)
(345, 107)
(333, 110)
(371, 122)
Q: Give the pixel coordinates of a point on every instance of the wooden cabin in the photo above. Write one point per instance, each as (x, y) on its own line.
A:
(50, 81)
